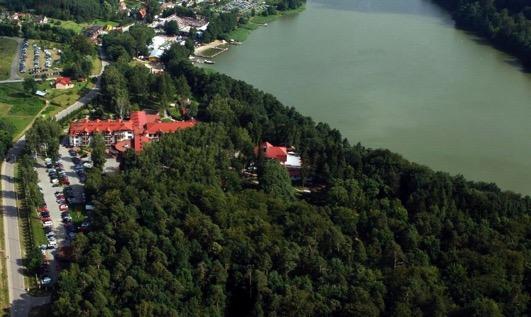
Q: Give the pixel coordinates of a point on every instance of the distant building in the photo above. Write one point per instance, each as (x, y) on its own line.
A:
(40, 19)
(291, 160)
(93, 32)
(63, 83)
(185, 24)
(140, 129)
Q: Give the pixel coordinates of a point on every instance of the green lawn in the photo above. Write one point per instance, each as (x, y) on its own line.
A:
(96, 65)
(63, 98)
(78, 27)
(17, 106)
(8, 49)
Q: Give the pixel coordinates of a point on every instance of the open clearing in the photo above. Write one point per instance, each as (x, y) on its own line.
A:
(8, 50)
(78, 27)
(17, 106)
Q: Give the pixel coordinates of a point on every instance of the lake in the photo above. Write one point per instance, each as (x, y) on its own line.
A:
(398, 75)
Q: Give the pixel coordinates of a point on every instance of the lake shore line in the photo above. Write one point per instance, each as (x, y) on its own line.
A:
(241, 33)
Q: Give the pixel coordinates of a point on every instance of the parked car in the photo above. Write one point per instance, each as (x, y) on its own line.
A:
(65, 181)
(45, 214)
(72, 153)
(46, 280)
(52, 244)
(63, 207)
(48, 223)
(67, 219)
(42, 208)
(50, 234)
(88, 165)
(45, 219)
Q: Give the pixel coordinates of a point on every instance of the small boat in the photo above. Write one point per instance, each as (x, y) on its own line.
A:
(207, 61)
(265, 24)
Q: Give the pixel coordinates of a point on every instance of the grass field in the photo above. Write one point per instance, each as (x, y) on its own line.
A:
(78, 27)
(17, 106)
(8, 49)
(96, 66)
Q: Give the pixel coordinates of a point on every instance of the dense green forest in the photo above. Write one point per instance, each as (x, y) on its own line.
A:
(78, 10)
(181, 231)
(506, 23)
(7, 131)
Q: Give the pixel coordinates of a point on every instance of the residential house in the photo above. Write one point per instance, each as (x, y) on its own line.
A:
(286, 157)
(63, 83)
(93, 32)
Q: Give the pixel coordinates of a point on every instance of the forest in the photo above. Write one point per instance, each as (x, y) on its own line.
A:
(77, 10)
(7, 131)
(505, 23)
(182, 232)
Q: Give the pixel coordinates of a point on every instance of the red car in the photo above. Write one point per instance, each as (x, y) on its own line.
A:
(63, 207)
(43, 208)
(65, 181)
(46, 219)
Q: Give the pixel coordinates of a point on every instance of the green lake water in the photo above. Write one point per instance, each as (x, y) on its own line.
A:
(396, 74)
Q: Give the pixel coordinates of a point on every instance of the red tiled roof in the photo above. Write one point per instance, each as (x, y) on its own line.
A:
(270, 151)
(140, 141)
(63, 81)
(140, 124)
(168, 127)
(122, 146)
(89, 126)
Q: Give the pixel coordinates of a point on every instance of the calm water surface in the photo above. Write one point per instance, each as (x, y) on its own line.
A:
(396, 74)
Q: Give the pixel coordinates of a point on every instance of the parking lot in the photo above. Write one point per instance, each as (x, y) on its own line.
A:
(62, 188)
(38, 60)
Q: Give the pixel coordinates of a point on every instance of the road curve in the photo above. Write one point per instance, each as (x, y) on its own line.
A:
(21, 302)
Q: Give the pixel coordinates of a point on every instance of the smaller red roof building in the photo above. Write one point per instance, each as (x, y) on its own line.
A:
(279, 153)
(63, 83)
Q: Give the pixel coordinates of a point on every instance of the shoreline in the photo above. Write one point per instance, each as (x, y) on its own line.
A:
(240, 34)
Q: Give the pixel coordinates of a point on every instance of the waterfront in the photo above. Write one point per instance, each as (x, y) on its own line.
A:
(398, 76)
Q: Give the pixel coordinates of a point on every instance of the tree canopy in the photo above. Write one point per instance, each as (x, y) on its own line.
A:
(181, 231)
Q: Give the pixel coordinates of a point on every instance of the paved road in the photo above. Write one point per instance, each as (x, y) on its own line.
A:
(21, 301)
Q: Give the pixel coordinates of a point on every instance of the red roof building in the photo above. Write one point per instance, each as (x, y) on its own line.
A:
(140, 129)
(279, 153)
(289, 159)
(63, 83)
